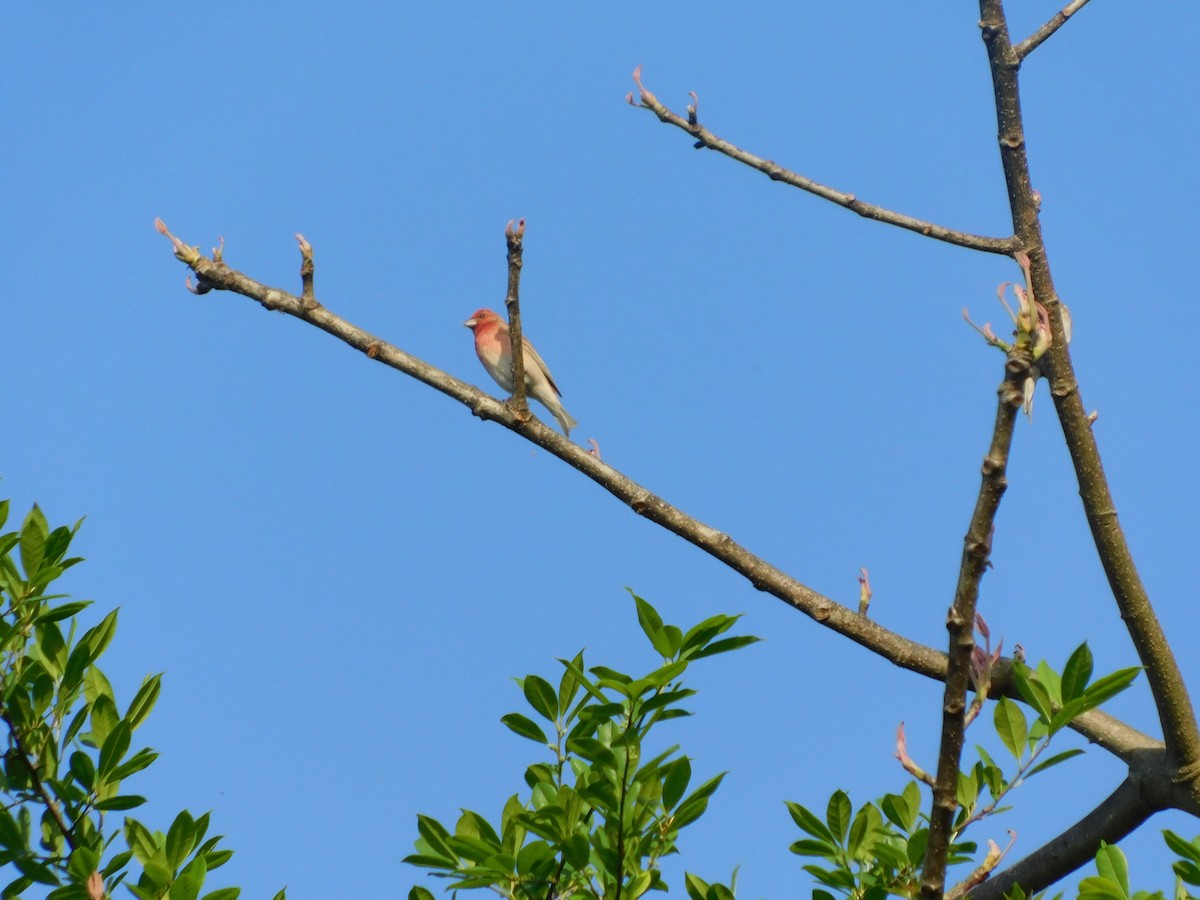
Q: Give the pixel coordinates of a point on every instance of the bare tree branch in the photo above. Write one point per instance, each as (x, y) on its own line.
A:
(1119, 814)
(515, 240)
(1057, 21)
(1106, 731)
(977, 548)
(1166, 681)
(705, 138)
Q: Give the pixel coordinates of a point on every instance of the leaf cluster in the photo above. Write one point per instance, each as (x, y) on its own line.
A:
(599, 814)
(70, 745)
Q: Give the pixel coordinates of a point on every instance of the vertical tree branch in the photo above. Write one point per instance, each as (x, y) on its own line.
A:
(960, 623)
(515, 238)
(1166, 682)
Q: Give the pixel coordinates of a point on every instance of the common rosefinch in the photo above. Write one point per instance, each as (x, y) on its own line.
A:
(494, 350)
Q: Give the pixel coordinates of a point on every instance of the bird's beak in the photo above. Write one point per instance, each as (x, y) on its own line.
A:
(470, 323)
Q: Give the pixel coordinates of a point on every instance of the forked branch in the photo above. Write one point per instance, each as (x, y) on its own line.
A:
(1170, 692)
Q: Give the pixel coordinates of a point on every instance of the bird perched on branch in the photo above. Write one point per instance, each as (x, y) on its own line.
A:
(494, 349)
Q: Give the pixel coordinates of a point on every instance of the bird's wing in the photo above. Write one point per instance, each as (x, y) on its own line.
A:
(531, 354)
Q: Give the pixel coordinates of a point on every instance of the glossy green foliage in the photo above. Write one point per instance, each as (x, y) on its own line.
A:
(878, 849)
(607, 802)
(70, 746)
(872, 852)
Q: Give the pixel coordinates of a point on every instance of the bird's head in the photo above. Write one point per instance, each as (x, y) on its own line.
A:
(481, 317)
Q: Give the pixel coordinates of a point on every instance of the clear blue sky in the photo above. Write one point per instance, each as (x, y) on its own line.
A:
(340, 570)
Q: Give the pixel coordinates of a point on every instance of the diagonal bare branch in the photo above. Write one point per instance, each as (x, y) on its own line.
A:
(1104, 730)
(1170, 692)
(1116, 816)
(706, 139)
(1057, 21)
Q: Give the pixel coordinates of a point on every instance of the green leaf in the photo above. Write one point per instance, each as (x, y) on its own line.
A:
(697, 887)
(229, 893)
(898, 811)
(187, 883)
(214, 859)
(1095, 888)
(436, 836)
(125, 801)
(666, 698)
(652, 625)
(1011, 727)
(725, 645)
(1054, 760)
(676, 776)
(135, 763)
(637, 885)
(1111, 864)
(576, 669)
(814, 847)
(140, 840)
(180, 838)
(35, 871)
(838, 814)
(1051, 681)
(143, 701)
(541, 696)
(116, 745)
(568, 687)
(83, 769)
(809, 823)
(34, 531)
(867, 822)
(1109, 686)
(65, 611)
(1076, 673)
(1186, 849)
(52, 648)
(525, 727)
(99, 637)
(674, 639)
(1033, 692)
(576, 850)
(660, 677)
(701, 634)
(418, 893)
(472, 824)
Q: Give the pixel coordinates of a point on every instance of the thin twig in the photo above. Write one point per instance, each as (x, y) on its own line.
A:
(515, 240)
(31, 764)
(1108, 732)
(1170, 692)
(706, 139)
(984, 869)
(1057, 21)
(960, 623)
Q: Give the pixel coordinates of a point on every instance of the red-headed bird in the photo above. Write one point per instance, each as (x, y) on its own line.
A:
(494, 349)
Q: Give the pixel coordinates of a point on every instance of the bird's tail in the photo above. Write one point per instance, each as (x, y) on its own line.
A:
(566, 420)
